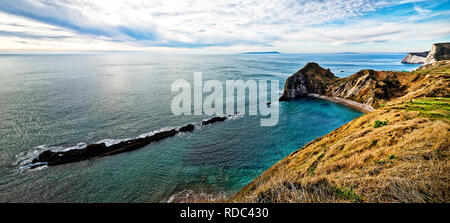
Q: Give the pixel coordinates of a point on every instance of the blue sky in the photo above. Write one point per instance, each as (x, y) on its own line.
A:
(301, 26)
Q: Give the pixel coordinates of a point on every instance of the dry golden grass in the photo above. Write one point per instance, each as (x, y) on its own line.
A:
(405, 160)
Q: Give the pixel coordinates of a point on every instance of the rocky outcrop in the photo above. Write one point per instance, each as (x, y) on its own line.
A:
(365, 90)
(52, 158)
(311, 79)
(415, 58)
(187, 128)
(439, 51)
(212, 120)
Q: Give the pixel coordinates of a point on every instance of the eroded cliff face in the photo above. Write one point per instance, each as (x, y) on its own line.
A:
(311, 79)
(365, 90)
(355, 87)
(439, 52)
(415, 58)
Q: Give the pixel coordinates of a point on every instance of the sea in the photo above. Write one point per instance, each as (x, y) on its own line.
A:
(66, 101)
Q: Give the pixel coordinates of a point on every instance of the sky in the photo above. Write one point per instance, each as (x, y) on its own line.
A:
(205, 26)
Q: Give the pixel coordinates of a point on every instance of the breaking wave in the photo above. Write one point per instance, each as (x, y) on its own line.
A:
(24, 159)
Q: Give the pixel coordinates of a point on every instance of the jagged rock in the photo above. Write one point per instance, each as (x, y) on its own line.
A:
(55, 158)
(134, 144)
(354, 84)
(44, 156)
(215, 119)
(93, 150)
(370, 87)
(415, 58)
(439, 51)
(187, 128)
(311, 79)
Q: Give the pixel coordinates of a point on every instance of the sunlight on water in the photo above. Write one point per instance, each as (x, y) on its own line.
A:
(67, 101)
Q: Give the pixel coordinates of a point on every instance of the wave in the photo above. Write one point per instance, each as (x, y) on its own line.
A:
(53, 155)
(190, 196)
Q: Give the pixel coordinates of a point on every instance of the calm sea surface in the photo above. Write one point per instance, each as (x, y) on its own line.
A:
(66, 101)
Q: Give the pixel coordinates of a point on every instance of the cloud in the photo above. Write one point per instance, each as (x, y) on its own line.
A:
(421, 10)
(374, 31)
(142, 24)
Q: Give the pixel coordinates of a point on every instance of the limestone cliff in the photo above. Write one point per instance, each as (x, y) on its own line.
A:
(311, 79)
(364, 90)
(439, 52)
(415, 58)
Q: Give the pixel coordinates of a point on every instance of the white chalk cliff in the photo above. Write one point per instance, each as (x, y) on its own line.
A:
(415, 58)
(439, 51)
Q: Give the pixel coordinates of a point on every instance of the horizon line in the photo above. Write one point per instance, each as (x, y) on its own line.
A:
(18, 52)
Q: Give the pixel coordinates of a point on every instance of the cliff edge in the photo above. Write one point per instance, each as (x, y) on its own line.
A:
(396, 153)
(415, 58)
(439, 51)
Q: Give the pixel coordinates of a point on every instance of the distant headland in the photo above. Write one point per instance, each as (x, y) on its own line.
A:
(267, 52)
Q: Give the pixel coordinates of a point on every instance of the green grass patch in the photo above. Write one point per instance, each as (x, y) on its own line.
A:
(347, 193)
(312, 168)
(373, 143)
(423, 71)
(441, 68)
(380, 162)
(438, 108)
(379, 123)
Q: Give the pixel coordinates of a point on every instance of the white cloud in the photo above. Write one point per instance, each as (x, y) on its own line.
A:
(225, 25)
(421, 10)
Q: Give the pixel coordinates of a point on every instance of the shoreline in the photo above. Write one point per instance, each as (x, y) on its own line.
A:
(349, 103)
(346, 102)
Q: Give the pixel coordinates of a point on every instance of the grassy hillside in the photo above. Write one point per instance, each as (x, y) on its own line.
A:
(397, 153)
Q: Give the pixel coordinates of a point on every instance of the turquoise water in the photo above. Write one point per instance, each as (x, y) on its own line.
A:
(63, 101)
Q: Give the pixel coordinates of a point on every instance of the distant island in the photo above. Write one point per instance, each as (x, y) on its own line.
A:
(267, 52)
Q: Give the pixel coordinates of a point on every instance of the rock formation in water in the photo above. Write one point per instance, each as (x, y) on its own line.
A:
(212, 120)
(187, 128)
(311, 79)
(415, 58)
(439, 52)
(52, 158)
